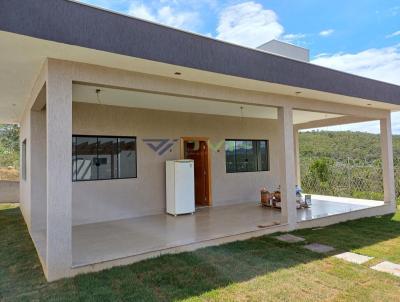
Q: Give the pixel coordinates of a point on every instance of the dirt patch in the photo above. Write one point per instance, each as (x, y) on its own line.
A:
(11, 174)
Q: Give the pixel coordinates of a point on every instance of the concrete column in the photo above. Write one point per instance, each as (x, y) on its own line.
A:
(59, 175)
(297, 156)
(287, 166)
(38, 170)
(387, 162)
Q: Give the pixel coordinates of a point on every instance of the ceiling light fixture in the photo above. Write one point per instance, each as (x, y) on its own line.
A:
(241, 115)
(98, 91)
(14, 111)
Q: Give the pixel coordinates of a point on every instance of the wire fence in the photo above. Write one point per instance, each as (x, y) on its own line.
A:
(349, 179)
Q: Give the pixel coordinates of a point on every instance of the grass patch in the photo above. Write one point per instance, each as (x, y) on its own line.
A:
(7, 206)
(259, 269)
(376, 237)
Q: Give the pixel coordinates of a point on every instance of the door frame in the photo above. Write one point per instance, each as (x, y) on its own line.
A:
(182, 156)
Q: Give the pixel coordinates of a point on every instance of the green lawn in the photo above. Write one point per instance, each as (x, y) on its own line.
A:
(261, 269)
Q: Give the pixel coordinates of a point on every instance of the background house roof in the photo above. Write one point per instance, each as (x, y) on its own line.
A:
(77, 24)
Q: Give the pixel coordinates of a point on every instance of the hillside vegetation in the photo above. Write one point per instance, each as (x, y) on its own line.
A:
(9, 152)
(345, 164)
(344, 146)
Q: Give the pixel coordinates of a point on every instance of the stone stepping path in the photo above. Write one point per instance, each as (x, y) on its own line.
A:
(319, 248)
(354, 258)
(388, 267)
(385, 266)
(290, 238)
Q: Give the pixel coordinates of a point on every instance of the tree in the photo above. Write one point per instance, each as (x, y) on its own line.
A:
(9, 137)
(321, 168)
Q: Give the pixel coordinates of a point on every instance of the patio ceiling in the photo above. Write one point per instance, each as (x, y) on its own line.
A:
(136, 99)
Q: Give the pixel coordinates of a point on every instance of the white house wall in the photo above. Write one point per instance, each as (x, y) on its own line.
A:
(24, 187)
(25, 133)
(116, 199)
(38, 143)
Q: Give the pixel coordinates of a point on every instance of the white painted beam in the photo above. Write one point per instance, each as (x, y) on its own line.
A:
(336, 121)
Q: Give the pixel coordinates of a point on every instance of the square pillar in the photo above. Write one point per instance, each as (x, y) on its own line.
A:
(59, 172)
(287, 167)
(297, 155)
(38, 170)
(387, 162)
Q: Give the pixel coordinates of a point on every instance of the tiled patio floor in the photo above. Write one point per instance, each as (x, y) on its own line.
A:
(99, 242)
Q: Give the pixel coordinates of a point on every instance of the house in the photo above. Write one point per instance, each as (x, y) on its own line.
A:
(104, 100)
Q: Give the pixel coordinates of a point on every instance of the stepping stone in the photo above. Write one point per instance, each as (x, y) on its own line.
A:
(319, 248)
(354, 258)
(388, 267)
(289, 238)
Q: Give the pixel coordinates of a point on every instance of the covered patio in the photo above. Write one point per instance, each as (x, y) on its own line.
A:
(155, 234)
(115, 222)
(112, 243)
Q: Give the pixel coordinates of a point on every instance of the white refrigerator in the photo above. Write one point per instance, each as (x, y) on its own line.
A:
(180, 187)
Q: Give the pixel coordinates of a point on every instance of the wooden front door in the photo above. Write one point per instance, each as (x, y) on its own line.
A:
(198, 151)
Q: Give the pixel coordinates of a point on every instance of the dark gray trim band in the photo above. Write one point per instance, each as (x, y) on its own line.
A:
(77, 24)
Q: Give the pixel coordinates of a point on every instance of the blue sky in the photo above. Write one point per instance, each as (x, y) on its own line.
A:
(356, 36)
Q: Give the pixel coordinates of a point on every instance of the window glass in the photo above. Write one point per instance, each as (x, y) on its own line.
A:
(127, 157)
(74, 162)
(246, 155)
(263, 156)
(251, 155)
(241, 156)
(230, 156)
(86, 158)
(107, 157)
(103, 157)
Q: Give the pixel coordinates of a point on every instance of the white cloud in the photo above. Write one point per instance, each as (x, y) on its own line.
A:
(378, 63)
(140, 10)
(394, 11)
(249, 24)
(326, 32)
(291, 38)
(165, 15)
(395, 34)
(168, 16)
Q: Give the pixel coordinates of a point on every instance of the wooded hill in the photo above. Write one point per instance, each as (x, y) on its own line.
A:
(344, 146)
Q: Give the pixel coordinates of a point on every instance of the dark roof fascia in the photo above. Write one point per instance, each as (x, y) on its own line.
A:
(77, 24)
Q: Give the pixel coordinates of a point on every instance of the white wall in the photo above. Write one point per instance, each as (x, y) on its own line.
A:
(37, 144)
(286, 50)
(24, 187)
(116, 199)
(9, 191)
